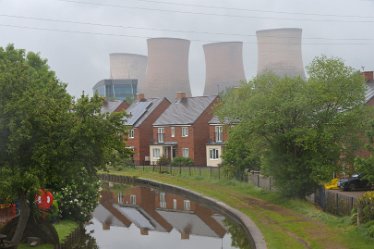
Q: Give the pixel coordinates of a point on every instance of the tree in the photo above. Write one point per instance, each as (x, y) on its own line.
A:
(46, 138)
(238, 155)
(303, 130)
(365, 165)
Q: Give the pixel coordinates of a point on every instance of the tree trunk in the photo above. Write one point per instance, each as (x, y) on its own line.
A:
(23, 219)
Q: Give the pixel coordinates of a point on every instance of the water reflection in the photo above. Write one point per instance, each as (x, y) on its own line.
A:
(141, 217)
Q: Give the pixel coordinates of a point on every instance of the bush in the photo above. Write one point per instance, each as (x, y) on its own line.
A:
(80, 197)
(365, 208)
(163, 161)
(182, 161)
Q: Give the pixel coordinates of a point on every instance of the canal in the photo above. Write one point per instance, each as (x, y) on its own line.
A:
(136, 217)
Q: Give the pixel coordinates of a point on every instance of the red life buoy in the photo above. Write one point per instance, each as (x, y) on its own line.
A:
(44, 199)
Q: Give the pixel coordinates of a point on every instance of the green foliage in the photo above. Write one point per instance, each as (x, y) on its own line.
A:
(302, 130)
(365, 207)
(366, 165)
(182, 161)
(238, 155)
(163, 161)
(46, 138)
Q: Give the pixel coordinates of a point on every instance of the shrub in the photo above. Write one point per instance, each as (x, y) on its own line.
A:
(182, 161)
(365, 208)
(79, 198)
(163, 161)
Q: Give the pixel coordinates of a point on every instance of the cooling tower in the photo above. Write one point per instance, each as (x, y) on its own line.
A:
(279, 52)
(167, 69)
(127, 66)
(224, 66)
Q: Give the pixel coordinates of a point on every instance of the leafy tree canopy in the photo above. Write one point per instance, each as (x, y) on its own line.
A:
(303, 130)
(47, 138)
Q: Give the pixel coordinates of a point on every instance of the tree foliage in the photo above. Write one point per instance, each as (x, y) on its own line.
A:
(303, 130)
(46, 138)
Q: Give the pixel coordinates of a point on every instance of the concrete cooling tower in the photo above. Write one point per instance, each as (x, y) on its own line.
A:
(127, 66)
(279, 52)
(224, 66)
(167, 69)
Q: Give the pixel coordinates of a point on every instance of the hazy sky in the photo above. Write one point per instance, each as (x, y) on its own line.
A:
(79, 53)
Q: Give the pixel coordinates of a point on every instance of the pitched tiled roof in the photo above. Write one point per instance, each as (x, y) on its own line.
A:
(140, 110)
(369, 93)
(110, 106)
(185, 111)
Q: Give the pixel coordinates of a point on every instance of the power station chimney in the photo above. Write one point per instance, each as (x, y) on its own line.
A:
(279, 52)
(224, 66)
(128, 66)
(167, 69)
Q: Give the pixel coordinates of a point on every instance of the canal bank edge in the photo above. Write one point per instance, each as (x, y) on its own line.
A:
(254, 234)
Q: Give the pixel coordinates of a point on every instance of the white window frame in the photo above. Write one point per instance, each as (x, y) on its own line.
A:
(160, 135)
(175, 204)
(162, 200)
(172, 131)
(214, 154)
(187, 205)
(156, 153)
(218, 134)
(133, 199)
(184, 131)
(132, 133)
(186, 152)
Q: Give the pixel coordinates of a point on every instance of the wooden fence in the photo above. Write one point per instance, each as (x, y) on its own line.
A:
(331, 201)
(334, 202)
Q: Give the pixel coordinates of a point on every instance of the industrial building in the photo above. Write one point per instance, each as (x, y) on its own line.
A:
(167, 68)
(116, 89)
(127, 66)
(224, 66)
(279, 52)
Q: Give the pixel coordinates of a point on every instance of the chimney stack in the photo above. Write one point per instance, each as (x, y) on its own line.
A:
(180, 95)
(140, 97)
(368, 75)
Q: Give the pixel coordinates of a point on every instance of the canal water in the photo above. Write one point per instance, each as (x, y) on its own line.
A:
(140, 217)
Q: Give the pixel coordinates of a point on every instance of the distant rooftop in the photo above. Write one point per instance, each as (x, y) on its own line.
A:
(185, 111)
(110, 106)
(140, 110)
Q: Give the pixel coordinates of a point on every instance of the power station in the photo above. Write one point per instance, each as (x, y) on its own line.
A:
(127, 66)
(167, 68)
(279, 52)
(224, 66)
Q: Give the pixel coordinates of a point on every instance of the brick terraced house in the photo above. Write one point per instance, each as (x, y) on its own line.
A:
(142, 114)
(183, 129)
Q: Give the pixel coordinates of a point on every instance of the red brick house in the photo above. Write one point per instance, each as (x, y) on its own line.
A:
(218, 135)
(142, 114)
(183, 129)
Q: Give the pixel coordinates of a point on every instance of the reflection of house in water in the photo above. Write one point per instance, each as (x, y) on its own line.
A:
(152, 210)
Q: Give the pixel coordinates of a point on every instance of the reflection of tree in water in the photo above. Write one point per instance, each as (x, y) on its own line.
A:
(86, 242)
(239, 237)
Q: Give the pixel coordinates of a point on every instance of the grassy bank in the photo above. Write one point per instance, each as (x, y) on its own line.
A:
(286, 224)
(63, 228)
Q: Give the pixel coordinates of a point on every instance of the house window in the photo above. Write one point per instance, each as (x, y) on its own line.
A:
(213, 153)
(184, 131)
(156, 153)
(160, 135)
(131, 133)
(174, 203)
(133, 199)
(185, 152)
(120, 198)
(172, 131)
(187, 205)
(218, 132)
(162, 200)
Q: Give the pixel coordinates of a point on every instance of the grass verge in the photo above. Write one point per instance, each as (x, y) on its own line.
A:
(64, 228)
(285, 223)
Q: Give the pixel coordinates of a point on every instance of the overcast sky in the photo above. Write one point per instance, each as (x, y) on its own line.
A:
(79, 53)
